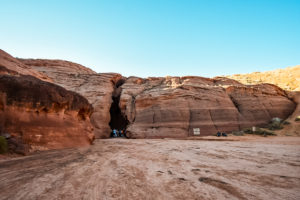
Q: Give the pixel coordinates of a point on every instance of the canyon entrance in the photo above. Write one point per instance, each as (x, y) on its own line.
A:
(117, 120)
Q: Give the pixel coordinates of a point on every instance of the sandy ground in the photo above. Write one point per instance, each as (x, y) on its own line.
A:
(254, 168)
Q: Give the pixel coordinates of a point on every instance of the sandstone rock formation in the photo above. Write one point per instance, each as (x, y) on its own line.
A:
(42, 114)
(38, 113)
(168, 107)
(293, 126)
(287, 78)
(58, 66)
(10, 65)
(97, 88)
(176, 106)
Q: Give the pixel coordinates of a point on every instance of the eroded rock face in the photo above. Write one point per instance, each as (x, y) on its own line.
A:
(37, 114)
(260, 103)
(97, 88)
(42, 114)
(174, 106)
(170, 107)
(11, 66)
(58, 66)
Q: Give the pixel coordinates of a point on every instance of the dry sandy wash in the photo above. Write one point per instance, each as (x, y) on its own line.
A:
(252, 168)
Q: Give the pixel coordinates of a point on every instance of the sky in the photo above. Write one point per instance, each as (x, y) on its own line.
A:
(156, 37)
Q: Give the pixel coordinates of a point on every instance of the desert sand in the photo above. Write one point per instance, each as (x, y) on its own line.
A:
(247, 167)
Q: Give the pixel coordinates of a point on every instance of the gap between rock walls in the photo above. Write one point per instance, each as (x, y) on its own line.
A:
(117, 120)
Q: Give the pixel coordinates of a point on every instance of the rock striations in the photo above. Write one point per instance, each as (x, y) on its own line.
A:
(40, 114)
(174, 107)
(11, 66)
(97, 88)
(177, 106)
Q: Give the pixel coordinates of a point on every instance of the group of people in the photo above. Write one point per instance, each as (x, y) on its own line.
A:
(118, 133)
(219, 134)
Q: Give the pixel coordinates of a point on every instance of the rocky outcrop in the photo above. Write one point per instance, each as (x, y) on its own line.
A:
(57, 66)
(11, 66)
(175, 107)
(97, 88)
(260, 103)
(292, 127)
(43, 115)
(178, 106)
(287, 78)
(36, 114)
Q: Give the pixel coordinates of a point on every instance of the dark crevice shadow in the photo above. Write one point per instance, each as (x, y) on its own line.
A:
(118, 120)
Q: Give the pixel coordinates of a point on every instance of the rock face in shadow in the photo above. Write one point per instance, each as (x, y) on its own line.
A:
(176, 107)
(97, 88)
(40, 114)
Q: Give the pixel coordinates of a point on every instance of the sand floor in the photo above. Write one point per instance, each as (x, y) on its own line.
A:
(253, 168)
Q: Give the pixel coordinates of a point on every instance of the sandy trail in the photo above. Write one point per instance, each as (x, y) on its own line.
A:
(259, 168)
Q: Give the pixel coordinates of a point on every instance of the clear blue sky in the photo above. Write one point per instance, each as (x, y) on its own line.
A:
(156, 37)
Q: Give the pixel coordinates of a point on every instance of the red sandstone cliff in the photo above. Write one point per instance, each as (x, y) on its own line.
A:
(97, 88)
(38, 113)
(56, 66)
(288, 79)
(11, 66)
(175, 106)
(171, 106)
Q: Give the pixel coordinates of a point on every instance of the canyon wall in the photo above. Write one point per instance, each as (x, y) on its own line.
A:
(39, 114)
(177, 106)
(11, 66)
(287, 79)
(97, 88)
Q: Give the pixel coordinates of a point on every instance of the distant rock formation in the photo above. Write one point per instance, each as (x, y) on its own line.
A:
(38, 113)
(287, 78)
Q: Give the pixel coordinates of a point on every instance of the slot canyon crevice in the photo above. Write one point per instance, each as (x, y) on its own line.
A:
(117, 119)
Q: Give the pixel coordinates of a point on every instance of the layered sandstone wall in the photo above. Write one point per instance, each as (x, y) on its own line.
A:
(62, 66)
(11, 66)
(171, 106)
(174, 106)
(97, 88)
(43, 115)
(40, 114)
